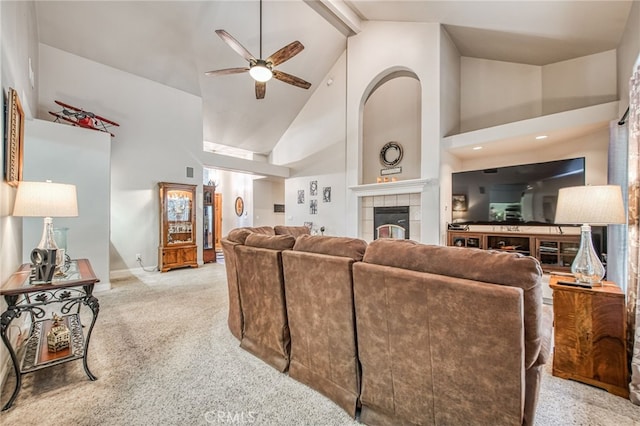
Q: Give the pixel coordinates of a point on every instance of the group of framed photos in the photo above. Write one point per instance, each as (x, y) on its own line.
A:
(313, 192)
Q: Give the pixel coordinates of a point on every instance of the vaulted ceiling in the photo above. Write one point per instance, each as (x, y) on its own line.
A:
(173, 43)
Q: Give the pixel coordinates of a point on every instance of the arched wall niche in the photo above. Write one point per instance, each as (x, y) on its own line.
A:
(390, 111)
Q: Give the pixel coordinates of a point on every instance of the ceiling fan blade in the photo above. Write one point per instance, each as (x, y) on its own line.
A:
(227, 71)
(291, 79)
(235, 45)
(286, 53)
(261, 89)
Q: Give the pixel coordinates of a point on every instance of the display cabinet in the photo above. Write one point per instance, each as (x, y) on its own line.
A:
(208, 224)
(177, 226)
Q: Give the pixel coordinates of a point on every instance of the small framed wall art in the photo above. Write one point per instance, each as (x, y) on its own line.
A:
(239, 206)
(459, 203)
(326, 194)
(15, 138)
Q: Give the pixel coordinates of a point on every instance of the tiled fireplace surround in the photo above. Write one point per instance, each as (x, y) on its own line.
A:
(367, 204)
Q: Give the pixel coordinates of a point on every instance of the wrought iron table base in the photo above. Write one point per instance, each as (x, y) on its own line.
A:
(68, 298)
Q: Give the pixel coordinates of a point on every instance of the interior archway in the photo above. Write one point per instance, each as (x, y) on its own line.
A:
(392, 113)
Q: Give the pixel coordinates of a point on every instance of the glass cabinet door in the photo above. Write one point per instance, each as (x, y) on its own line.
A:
(179, 211)
(208, 227)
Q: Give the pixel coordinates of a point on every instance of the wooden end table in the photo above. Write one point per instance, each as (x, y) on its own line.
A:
(590, 335)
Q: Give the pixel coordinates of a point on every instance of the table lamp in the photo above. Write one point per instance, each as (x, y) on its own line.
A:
(48, 200)
(589, 205)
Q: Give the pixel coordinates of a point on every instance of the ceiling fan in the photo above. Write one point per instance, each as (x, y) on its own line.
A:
(262, 69)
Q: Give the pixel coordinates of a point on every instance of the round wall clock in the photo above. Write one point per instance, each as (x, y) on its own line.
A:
(391, 154)
(239, 206)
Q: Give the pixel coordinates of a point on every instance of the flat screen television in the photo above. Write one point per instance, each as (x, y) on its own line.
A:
(525, 194)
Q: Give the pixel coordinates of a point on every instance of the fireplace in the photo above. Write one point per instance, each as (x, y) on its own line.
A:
(391, 222)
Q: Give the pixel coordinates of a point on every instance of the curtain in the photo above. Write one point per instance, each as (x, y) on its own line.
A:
(633, 284)
(618, 235)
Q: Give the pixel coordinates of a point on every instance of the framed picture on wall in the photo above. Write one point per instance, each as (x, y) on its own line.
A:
(459, 203)
(326, 194)
(313, 206)
(239, 206)
(14, 138)
(313, 188)
(301, 196)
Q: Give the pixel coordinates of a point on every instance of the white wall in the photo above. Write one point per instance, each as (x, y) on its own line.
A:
(496, 92)
(233, 185)
(67, 154)
(160, 135)
(628, 55)
(580, 82)
(450, 70)
(392, 113)
(18, 43)
(266, 193)
(420, 54)
(314, 148)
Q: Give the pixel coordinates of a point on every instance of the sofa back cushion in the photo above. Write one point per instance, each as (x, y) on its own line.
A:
(273, 242)
(239, 235)
(510, 269)
(296, 231)
(353, 248)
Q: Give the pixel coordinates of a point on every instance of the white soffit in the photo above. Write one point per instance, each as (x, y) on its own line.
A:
(520, 135)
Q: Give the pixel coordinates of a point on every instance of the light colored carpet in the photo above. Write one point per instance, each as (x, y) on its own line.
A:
(164, 356)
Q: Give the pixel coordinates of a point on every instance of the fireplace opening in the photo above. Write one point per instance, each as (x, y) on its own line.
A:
(391, 222)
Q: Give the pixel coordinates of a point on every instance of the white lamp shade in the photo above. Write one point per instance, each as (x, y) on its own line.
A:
(45, 199)
(592, 204)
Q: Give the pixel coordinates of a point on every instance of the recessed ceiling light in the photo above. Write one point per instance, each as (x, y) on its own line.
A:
(541, 137)
(476, 148)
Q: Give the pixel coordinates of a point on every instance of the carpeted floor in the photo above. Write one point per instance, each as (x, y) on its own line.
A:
(164, 356)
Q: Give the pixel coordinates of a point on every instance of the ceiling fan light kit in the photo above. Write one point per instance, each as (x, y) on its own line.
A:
(261, 70)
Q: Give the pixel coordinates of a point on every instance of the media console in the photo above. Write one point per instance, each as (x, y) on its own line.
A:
(555, 252)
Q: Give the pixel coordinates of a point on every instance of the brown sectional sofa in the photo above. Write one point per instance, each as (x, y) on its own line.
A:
(425, 334)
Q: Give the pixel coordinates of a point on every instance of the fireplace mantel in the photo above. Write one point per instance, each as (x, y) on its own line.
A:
(409, 186)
